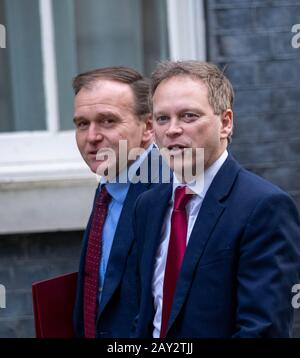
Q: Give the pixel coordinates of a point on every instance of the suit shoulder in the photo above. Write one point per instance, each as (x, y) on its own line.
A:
(253, 191)
(258, 186)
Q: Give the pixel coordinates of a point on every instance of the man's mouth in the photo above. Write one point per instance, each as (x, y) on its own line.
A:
(99, 155)
(176, 148)
(92, 152)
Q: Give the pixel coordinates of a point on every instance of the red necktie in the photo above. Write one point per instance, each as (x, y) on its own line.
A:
(176, 250)
(92, 260)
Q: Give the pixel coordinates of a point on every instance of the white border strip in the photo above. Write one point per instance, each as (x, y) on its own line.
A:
(49, 65)
(186, 25)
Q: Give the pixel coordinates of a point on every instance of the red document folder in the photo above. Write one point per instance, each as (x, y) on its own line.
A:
(53, 303)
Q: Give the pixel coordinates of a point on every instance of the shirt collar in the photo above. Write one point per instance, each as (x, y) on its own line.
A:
(202, 187)
(136, 164)
(117, 190)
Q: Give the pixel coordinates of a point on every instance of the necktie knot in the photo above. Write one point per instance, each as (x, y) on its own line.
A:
(181, 198)
(104, 197)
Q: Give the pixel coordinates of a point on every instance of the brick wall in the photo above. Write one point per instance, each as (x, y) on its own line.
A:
(252, 38)
(26, 259)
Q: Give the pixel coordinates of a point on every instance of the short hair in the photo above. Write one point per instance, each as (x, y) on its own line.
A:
(140, 85)
(219, 88)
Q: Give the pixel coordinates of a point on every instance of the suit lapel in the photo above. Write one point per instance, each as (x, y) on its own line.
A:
(209, 214)
(159, 205)
(148, 237)
(123, 238)
(121, 245)
(204, 225)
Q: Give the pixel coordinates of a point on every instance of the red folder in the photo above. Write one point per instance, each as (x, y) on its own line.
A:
(53, 304)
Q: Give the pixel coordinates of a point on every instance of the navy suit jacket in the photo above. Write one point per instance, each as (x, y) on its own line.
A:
(242, 259)
(118, 305)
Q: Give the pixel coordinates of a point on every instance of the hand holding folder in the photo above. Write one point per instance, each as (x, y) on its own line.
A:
(53, 304)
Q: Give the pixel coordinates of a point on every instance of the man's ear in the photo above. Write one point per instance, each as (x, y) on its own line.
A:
(226, 124)
(148, 134)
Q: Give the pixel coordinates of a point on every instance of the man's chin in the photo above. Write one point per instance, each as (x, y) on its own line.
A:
(106, 170)
(97, 168)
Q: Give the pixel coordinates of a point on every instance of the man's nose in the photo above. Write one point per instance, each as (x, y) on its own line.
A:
(174, 128)
(94, 133)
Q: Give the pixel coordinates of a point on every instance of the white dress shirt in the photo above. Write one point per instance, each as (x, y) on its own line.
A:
(192, 209)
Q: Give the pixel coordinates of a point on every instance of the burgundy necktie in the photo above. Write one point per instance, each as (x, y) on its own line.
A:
(92, 260)
(176, 250)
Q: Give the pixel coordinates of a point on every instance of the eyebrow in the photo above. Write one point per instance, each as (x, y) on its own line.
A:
(182, 110)
(77, 119)
(190, 109)
(99, 116)
(159, 113)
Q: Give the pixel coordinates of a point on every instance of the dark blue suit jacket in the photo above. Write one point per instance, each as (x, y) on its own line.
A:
(242, 259)
(119, 304)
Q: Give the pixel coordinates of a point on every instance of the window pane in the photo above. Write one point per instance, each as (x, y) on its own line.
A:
(98, 33)
(109, 32)
(66, 58)
(120, 32)
(6, 123)
(21, 81)
(156, 46)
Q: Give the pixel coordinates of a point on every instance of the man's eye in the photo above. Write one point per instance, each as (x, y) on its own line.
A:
(82, 124)
(162, 119)
(108, 121)
(189, 116)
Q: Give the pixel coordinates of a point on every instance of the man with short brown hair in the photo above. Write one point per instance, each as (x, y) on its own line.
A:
(112, 118)
(219, 260)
